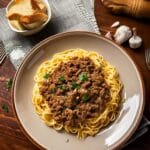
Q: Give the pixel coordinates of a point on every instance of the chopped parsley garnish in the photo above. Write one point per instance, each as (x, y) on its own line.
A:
(65, 88)
(85, 97)
(5, 108)
(75, 85)
(9, 84)
(83, 77)
(46, 76)
(62, 79)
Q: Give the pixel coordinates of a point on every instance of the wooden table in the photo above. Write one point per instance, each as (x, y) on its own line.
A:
(11, 137)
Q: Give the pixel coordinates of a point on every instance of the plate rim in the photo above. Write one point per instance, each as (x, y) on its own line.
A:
(137, 120)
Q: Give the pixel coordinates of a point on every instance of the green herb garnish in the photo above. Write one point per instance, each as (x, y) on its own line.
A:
(83, 77)
(46, 76)
(75, 85)
(62, 79)
(85, 97)
(9, 84)
(5, 108)
(65, 88)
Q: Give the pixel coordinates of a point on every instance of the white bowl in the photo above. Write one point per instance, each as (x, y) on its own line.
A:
(33, 31)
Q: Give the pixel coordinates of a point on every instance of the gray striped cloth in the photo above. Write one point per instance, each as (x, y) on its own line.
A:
(67, 15)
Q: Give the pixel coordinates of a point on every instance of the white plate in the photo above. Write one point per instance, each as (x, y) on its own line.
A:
(113, 136)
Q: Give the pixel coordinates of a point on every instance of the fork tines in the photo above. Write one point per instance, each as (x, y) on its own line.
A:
(147, 58)
(2, 52)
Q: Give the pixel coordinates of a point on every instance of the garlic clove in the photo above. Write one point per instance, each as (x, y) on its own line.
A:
(135, 41)
(115, 24)
(108, 35)
(122, 34)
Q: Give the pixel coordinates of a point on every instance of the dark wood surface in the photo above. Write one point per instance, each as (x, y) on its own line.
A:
(11, 137)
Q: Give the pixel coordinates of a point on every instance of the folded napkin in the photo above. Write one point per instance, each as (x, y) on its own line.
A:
(67, 15)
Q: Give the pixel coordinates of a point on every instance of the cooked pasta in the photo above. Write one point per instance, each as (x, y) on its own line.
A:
(101, 116)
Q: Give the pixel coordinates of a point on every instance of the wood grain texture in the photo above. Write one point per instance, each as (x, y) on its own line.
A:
(3, 3)
(11, 137)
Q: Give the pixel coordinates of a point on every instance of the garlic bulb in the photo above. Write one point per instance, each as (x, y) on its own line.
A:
(122, 34)
(135, 41)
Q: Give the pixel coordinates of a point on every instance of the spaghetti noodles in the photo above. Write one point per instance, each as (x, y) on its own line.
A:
(90, 113)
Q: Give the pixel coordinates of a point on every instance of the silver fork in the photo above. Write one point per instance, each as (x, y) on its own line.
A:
(147, 58)
(2, 52)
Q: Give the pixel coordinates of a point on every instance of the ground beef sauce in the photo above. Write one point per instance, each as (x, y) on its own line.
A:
(76, 91)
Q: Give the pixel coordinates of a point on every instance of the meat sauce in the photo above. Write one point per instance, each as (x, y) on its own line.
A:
(76, 91)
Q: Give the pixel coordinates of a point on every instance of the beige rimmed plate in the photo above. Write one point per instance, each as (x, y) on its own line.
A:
(113, 136)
